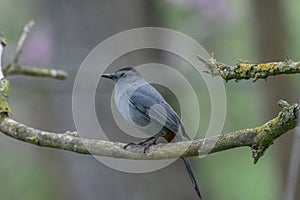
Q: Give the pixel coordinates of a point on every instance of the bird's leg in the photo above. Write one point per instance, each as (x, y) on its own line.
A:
(145, 142)
(147, 145)
(139, 143)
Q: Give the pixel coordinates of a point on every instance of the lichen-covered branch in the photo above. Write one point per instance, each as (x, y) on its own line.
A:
(245, 70)
(259, 139)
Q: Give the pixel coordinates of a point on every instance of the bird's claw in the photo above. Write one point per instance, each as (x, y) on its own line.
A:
(145, 145)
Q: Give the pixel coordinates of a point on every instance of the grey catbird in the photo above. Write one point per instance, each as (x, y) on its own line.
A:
(144, 107)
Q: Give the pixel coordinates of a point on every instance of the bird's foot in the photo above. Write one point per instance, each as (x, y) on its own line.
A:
(146, 144)
(134, 144)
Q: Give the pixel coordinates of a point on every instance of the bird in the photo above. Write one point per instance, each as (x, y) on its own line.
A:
(145, 108)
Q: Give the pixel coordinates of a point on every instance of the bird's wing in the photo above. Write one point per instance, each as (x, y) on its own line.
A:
(148, 107)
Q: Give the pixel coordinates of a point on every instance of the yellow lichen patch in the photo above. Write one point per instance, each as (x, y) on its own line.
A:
(267, 66)
(33, 139)
(244, 67)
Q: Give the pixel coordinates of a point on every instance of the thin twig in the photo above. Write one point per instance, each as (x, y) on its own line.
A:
(38, 72)
(26, 30)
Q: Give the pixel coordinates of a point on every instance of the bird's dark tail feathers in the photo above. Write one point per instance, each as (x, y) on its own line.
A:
(190, 171)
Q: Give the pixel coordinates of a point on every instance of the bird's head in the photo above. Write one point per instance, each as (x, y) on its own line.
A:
(127, 74)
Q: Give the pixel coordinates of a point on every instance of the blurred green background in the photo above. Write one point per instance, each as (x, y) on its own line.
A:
(66, 31)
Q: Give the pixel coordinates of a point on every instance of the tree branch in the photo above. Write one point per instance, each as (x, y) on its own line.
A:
(259, 139)
(16, 69)
(26, 31)
(245, 70)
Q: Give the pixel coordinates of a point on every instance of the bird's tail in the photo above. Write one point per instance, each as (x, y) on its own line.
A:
(190, 171)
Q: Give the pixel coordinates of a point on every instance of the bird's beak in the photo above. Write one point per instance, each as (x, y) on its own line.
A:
(110, 76)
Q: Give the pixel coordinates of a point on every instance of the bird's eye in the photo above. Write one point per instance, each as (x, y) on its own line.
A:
(123, 75)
